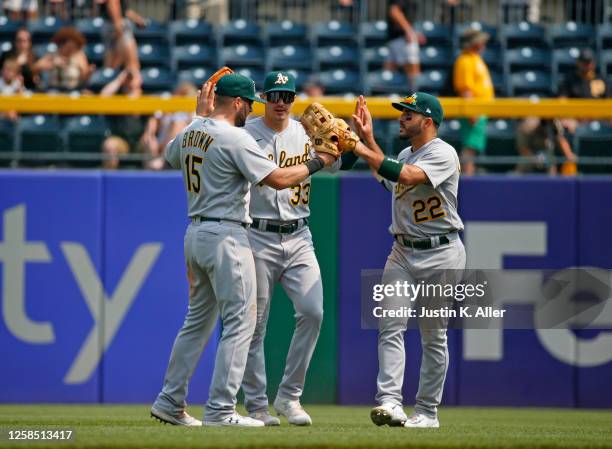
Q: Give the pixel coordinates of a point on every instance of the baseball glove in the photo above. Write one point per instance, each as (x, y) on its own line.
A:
(327, 133)
(218, 74)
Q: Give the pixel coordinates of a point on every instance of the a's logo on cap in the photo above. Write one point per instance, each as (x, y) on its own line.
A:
(281, 79)
(411, 99)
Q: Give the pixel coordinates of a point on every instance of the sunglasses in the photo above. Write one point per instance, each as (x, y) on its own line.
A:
(276, 96)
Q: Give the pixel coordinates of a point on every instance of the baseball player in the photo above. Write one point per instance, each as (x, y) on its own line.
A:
(219, 162)
(284, 253)
(425, 224)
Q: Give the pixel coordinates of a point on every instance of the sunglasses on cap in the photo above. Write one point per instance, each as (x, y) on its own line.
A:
(277, 95)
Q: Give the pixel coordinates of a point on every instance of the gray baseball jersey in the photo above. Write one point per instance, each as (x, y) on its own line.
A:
(286, 148)
(419, 212)
(427, 209)
(219, 162)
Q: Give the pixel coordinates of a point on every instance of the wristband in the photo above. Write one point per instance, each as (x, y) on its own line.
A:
(314, 165)
(390, 169)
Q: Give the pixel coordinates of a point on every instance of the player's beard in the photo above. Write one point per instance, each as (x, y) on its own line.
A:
(242, 116)
(410, 131)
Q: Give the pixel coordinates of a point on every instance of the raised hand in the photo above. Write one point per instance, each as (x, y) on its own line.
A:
(362, 120)
(206, 99)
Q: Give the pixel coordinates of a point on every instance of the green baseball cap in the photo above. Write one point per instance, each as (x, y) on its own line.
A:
(284, 81)
(237, 85)
(423, 104)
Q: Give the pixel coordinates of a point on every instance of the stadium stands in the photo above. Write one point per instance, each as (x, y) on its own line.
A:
(593, 140)
(85, 134)
(524, 59)
(39, 133)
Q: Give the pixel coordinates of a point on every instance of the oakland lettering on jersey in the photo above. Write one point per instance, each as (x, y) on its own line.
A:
(284, 161)
(198, 139)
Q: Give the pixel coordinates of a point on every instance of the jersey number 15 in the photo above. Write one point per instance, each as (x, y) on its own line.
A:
(192, 173)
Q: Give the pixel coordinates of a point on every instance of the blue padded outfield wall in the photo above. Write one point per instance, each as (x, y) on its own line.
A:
(93, 288)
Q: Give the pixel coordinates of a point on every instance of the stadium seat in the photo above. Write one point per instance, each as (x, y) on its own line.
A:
(38, 133)
(395, 144)
(154, 55)
(286, 33)
(436, 57)
(183, 32)
(243, 55)
(95, 53)
(101, 78)
(157, 79)
(195, 75)
(5, 45)
(91, 28)
(450, 132)
(604, 36)
(501, 141)
(523, 34)
(41, 49)
(527, 58)
(480, 26)
(340, 81)
(374, 58)
(531, 82)
(385, 82)
(7, 140)
(289, 56)
(193, 55)
(153, 33)
(373, 34)
(432, 81)
(44, 28)
(492, 56)
(435, 34)
(337, 56)
(605, 62)
(564, 61)
(572, 34)
(593, 140)
(256, 74)
(85, 134)
(240, 32)
(500, 83)
(8, 28)
(301, 76)
(333, 32)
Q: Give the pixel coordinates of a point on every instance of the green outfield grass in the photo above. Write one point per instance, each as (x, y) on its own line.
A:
(111, 426)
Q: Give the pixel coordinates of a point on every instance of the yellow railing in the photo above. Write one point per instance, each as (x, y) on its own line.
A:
(380, 107)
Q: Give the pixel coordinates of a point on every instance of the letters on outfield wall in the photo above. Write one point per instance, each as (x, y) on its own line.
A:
(93, 288)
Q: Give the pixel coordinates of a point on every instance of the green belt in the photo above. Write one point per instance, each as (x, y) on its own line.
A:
(422, 243)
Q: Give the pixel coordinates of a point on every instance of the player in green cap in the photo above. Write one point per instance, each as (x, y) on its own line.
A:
(424, 181)
(219, 162)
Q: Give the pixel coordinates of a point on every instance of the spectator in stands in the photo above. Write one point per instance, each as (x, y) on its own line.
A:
(119, 41)
(313, 88)
(403, 40)
(162, 128)
(67, 68)
(112, 147)
(22, 50)
(21, 9)
(10, 83)
(540, 141)
(471, 79)
(129, 127)
(584, 82)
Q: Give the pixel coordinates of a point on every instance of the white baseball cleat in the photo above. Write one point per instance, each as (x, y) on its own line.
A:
(184, 419)
(235, 420)
(266, 418)
(293, 411)
(388, 413)
(418, 420)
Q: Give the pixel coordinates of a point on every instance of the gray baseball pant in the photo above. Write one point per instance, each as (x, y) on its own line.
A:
(221, 274)
(290, 260)
(413, 265)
